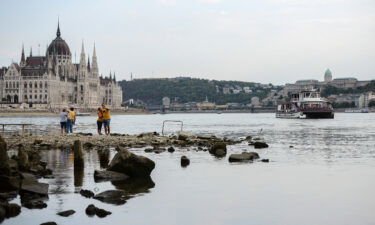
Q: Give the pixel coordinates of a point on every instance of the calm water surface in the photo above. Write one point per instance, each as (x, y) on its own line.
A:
(327, 178)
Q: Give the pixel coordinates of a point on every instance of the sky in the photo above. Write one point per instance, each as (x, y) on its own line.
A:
(266, 41)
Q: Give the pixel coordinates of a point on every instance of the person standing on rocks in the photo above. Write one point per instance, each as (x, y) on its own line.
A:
(106, 119)
(71, 120)
(63, 121)
(99, 121)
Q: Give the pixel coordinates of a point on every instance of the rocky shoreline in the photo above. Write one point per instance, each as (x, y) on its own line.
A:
(19, 173)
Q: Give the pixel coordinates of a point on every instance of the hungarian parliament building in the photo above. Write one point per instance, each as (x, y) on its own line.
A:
(53, 81)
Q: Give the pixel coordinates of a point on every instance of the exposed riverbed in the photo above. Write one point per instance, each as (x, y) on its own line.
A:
(320, 172)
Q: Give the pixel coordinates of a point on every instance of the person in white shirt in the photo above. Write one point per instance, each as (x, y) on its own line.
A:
(63, 120)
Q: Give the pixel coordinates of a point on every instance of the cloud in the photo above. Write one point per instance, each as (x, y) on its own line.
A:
(209, 1)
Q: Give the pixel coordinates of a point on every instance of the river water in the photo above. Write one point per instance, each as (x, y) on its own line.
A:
(327, 177)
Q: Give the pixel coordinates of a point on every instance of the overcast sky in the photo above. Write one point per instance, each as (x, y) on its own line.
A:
(263, 41)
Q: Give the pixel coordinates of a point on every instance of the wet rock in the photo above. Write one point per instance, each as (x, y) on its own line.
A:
(90, 210)
(12, 210)
(185, 161)
(38, 142)
(102, 213)
(87, 193)
(291, 146)
(148, 150)
(248, 138)
(133, 186)
(8, 196)
(66, 213)
(9, 183)
(2, 213)
(93, 210)
(29, 176)
(159, 150)
(171, 149)
(23, 158)
(116, 197)
(265, 160)
(34, 187)
(260, 144)
(34, 204)
(4, 159)
(78, 154)
(182, 137)
(218, 149)
(245, 156)
(107, 175)
(131, 164)
(88, 145)
(49, 223)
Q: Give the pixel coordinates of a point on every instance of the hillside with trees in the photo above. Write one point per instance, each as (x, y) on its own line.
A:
(330, 90)
(184, 89)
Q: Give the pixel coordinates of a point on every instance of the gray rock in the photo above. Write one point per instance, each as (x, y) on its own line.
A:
(218, 149)
(7, 196)
(32, 186)
(106, 175)
(2, 213)
(66, 213)
(87, 193)
(245, 156)
(49, 223)
(149, 150)
(116, 197)
(131, 164)
(260, 144)
(34, 204)
(265, 160)
(102, 213)
(12, 210)
(90, 210)
(185, 161)
(171, 149)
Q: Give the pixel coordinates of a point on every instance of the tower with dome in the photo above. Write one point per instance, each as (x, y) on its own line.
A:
(54, 81)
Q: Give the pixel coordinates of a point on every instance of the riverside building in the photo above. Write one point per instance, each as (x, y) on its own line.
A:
(54, 81)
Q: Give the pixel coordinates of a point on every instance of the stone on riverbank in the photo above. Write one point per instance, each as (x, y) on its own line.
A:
(93, 210)
(12, 210)
(66, 213)
(34, 187)
(245, 156)
(87, 193)
(49, 223)
(23, 158)
(260, 144)
(185, 161)
(171, 149)
(116, 197)
(218, 149)
(131, 164)
(34, 204)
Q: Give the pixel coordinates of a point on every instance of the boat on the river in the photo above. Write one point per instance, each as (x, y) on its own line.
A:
(305, 104)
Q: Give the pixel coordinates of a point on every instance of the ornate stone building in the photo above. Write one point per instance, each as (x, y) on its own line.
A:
(54, 81)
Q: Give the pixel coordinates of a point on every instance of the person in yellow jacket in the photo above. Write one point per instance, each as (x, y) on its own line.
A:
(106, 119)
(71, 120)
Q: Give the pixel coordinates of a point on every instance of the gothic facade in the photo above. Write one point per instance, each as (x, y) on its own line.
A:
(54, 81)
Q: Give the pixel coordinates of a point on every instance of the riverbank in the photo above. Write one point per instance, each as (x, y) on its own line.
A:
(46, 113)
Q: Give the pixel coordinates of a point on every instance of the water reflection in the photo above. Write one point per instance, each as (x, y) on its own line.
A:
(104, 155)
(135, 186)
(79, 173)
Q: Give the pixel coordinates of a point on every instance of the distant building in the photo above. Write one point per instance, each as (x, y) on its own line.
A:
(365, 99)
(328, 76)
(166, 102)
(255, 101)
(54, 81)
(226, 90)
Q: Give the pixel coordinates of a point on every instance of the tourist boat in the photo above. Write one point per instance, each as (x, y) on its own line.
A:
(305, 104)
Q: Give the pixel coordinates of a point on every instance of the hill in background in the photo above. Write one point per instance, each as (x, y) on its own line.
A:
(184, 89)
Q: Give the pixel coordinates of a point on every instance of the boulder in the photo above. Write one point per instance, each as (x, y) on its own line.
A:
(265, 160)
(185, 161)
(131, 164)
(8, 196)
(90, 210)
(34, 187)
(171, 149)
(93, 210)
(116, 197)
(49, 223)
(4, 166)
(260, 144)
(245, 156)
(34, 204)
(218, 149)
(12, 210)
(66, 213)
(9, 183)
(23, 158)
(148, 150)
(106, 175)
(2, 213)
(87, 193)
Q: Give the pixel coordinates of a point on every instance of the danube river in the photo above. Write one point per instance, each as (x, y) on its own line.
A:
(320, 172)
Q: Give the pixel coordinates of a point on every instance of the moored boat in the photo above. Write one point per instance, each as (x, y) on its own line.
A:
(305, 104)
